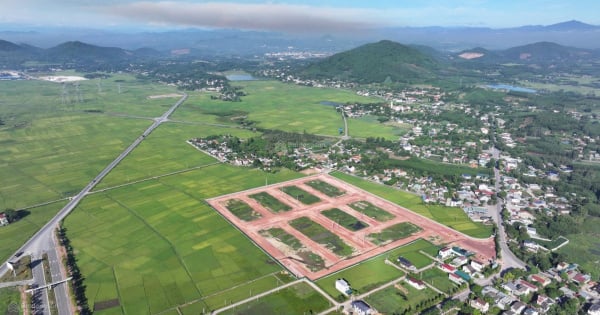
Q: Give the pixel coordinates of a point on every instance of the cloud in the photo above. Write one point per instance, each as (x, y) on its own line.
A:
(272, 17)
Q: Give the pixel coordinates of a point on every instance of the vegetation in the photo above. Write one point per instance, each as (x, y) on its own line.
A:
(371, 211)
(394, 233)
(403, 299)
(300, 195)
(10, 301)
(325, 188)
(380, 62)
(297, 299)
(242, 210)
(344, 219)
(284, 237)
(321, 235)
(270, 202)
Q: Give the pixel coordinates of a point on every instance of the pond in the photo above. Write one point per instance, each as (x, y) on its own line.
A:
(240, 77)
(510, 88)
(330, 103)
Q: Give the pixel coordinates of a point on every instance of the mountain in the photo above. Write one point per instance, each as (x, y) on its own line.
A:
(536, 53)
(6, 46)
(572, 25)
(376, 62)
(78, 51)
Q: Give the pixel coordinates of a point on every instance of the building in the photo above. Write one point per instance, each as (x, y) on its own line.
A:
(417, 284)
(455, 278)
(540, 279)
(459, 261)
(361, 308)
(3, 219)
(447, 268)
(544, 303)
(477, 265)
(480, 305)
(518, 307)
(530, 286)
(406, 264)
(445, 252)
(343, 286)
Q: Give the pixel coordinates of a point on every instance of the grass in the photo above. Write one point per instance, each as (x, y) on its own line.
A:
(289, 107)
(584, 247)
(50, 150)
(321, 235)
(21, 272)
(394, 301)
(15, 234)
(344, 219)
(394, 233)
(313, 261)
(157, 244)
(452, 217)
(269, 202)
(300, 195)
(437, 279)
(297, 299)
(552, 244)
(412, 250)
(325, 188)
(10, 301)
(371, 211)
(362, 277)
(242, 210)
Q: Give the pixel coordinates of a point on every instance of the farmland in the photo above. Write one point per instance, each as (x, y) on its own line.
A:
(242, 210)
(9, 298)
(451, 217)
(270, 202)
(438, 279)
(393, 300)
(297, 299)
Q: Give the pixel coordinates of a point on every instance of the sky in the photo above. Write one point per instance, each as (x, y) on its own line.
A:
(294, 16)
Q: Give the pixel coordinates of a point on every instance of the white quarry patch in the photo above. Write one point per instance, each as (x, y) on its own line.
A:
(471, 55)
(62, 78)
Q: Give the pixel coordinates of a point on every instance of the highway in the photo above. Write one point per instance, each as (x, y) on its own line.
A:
(43, 241)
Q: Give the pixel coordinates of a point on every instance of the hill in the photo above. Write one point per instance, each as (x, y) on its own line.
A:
(375, 63)
(78, 51)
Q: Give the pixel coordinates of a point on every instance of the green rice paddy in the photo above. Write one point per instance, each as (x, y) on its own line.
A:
(270, 202)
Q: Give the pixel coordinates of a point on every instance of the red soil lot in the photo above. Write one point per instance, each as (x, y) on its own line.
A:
(363, 249)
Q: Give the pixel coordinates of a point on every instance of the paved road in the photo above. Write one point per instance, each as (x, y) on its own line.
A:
(43, 242)
(61, 292)
(508, 258)
(40, 304)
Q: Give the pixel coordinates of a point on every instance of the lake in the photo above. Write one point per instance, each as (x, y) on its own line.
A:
(510, 88)
(240, 77)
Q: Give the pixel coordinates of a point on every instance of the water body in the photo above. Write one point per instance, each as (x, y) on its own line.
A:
(330, 103)
(240, 77)
(511, 88)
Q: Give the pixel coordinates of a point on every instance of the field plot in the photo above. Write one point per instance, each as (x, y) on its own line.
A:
(397, 300)
(371, 211)
(10, 297)
(300, 195)
(344, 219)
(297, 299)
(270, 202)
(332, 229)
(242, 210)
(394, 233)
(438, 279)
(325, 188)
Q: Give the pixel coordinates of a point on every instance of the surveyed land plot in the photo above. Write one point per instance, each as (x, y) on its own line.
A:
(333, 230)
(325, 188)
(270, 202)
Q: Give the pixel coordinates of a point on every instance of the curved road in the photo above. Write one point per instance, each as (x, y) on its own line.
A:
(42, 241)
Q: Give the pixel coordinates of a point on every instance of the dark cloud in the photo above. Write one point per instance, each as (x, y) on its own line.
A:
(274, 17)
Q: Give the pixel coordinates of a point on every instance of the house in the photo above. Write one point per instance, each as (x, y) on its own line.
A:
(455, 278)
(361, 307)
(594, 309)
(540, 279)
(544, 303)
(480, 304)
(468, 269)
(531, 245)
(581, 278)
(463, 275)
(3, 219)
(407, 264)
(510, 287)
(531, 311)
(447, 268)
(477, 265)
(343, 286)
(459, 261)
(415, 283)
(445, 252)
(518, 307)
(530, 286)
(461, 252)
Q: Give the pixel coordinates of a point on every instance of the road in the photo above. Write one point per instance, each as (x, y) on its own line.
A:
(43, 241)
(508, 258)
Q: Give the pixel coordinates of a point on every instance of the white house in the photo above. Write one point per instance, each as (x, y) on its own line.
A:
(480, 304)
(477, 265)
(417, 284)
(455, 278)
(445, 252)
(343, 286)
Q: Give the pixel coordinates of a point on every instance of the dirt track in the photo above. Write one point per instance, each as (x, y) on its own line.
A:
(363, 249)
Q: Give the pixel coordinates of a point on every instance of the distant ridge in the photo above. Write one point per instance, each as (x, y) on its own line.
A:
(540, 52)
(377, 62)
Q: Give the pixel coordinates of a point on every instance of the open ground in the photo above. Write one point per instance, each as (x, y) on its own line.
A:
(358, 240)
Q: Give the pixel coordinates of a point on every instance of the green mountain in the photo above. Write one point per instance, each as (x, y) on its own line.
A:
(379, 62)
(78, 51)
(546, 52)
